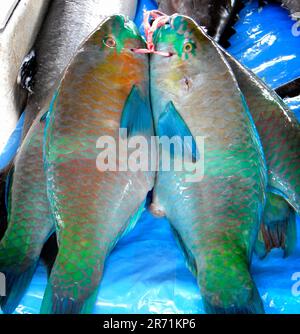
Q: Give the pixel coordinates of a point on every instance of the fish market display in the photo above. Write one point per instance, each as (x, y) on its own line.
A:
(216, 218)
(104, 89)
(227, 150)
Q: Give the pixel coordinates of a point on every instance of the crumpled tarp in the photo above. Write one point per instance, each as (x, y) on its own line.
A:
(146, 272)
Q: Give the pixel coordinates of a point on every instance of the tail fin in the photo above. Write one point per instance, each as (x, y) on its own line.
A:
(254, 306)
(278, 229)
(16, 285)
(55, 304)
(4, 180)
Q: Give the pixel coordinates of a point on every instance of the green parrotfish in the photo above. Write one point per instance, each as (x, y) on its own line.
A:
(217, 217)
(105, 88)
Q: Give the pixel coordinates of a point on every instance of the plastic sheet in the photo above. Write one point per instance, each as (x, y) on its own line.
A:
(294, 104)
(264, 42)
(146, 272)
(12, 145)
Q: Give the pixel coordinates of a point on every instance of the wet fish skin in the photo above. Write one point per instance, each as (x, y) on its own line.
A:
(214, 15)
(29, 219)
(67, 25)
(93, 208)
(279, 131)
(218, 218)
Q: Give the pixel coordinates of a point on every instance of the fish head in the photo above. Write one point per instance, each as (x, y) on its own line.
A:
(117, 35)
(192, 55)
(108, 55)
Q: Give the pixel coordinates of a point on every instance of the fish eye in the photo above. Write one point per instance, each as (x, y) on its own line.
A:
(188, 47)
(110, 42)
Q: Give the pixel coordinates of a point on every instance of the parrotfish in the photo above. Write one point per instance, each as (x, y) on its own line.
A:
(215, 210)
(279, 131)
(105, 89)
(216, 16)
(29, 218)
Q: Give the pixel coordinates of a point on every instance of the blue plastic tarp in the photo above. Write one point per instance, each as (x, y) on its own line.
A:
(265, 43)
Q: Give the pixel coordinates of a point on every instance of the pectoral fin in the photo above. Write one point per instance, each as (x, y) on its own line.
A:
(173, 126)
(136, 116)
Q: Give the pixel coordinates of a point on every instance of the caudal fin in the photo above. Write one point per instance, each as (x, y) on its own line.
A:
(254, 306)
(16, 284)
(278, 229)
(55, 304)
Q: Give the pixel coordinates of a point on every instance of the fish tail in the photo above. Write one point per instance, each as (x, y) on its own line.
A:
(74, 282)
(279, 228)
(20, 251)
(16, 283)
(18, 262)
(253, 306)
(229, 291)
(57, 304)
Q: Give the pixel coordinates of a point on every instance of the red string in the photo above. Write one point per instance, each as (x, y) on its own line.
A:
(160, 20)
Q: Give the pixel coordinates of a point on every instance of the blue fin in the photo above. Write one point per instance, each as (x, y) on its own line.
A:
(172, 125)
(278, 229)
(55, 304)
(189, 257)
(16, 286)
(44, 117)
(137, 116)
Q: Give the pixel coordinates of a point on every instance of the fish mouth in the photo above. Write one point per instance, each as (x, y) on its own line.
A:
(165, 54)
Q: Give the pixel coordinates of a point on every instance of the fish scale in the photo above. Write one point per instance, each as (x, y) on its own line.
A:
(279, 131)
(94, 208)
(30, 223)
(217, 219)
